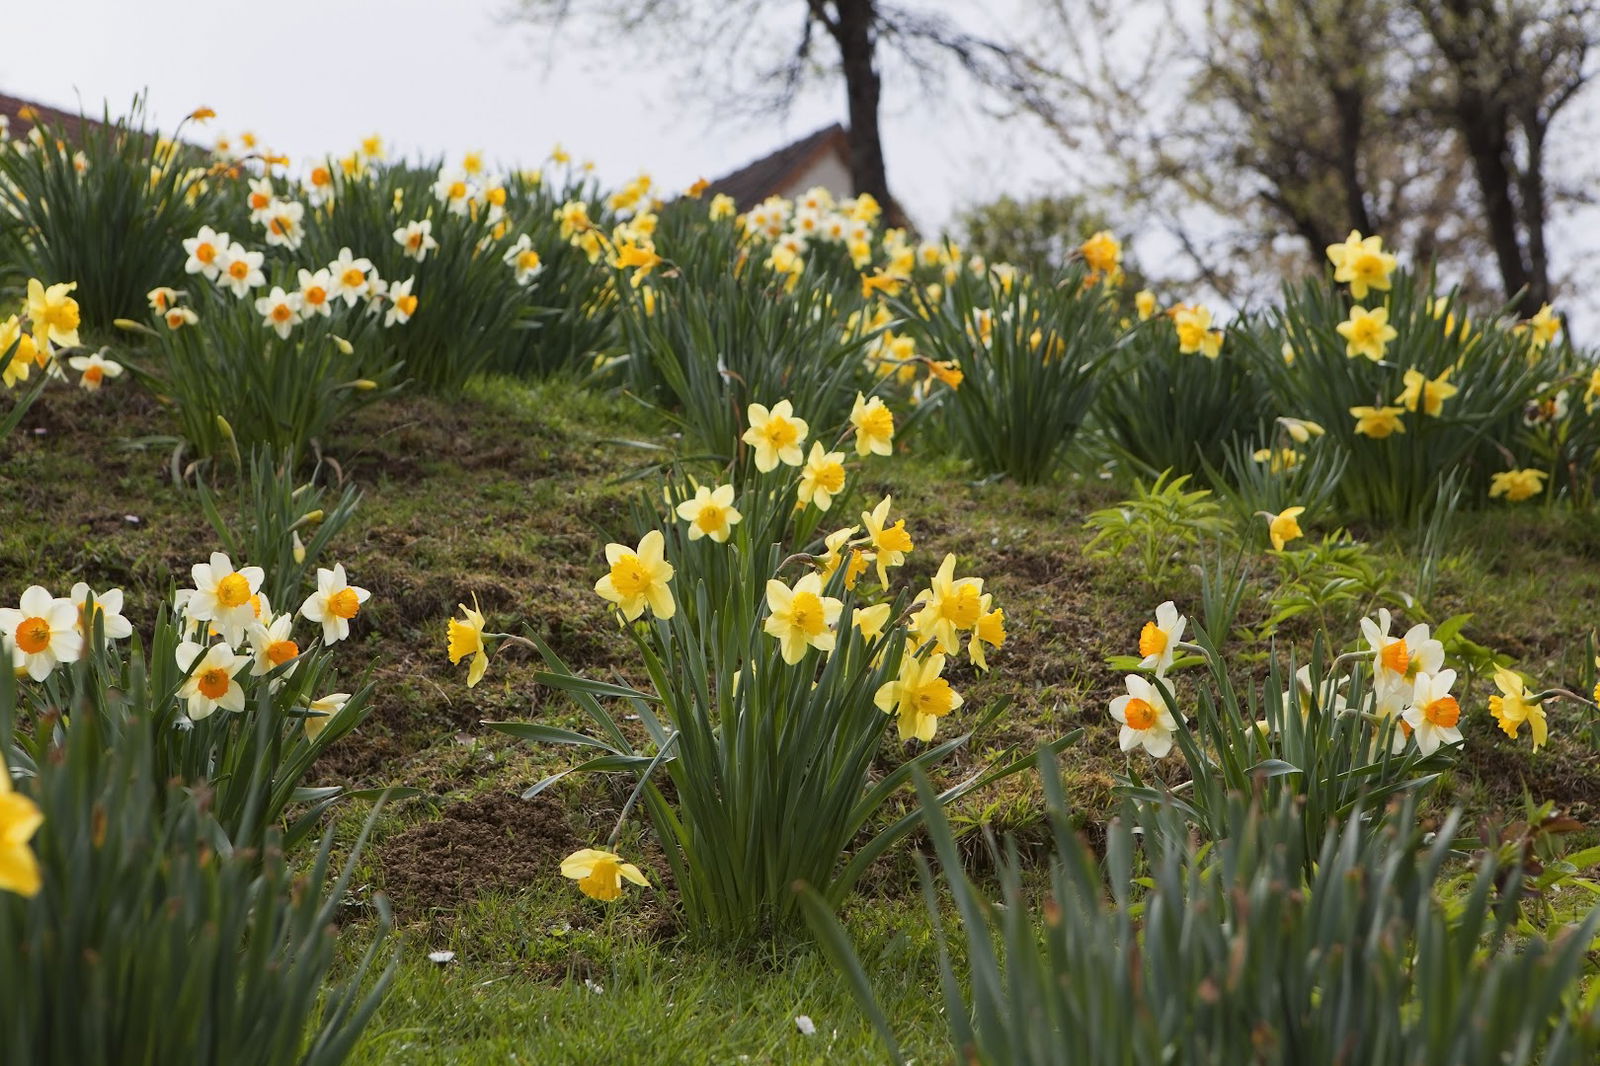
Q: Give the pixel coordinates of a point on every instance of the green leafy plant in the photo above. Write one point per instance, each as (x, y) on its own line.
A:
(1159, 524)
(1169, 949)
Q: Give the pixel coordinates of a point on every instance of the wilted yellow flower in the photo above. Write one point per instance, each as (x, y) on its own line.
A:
(1429, 395)
(1367, 333)
(638, 578)
(919, 697)
(710, 513)
(822, 478)
(801, 617)
(1512, 707)
(1378, 422)
(874, 425)
(1102, 252)
(599, 873)
(776, 435)
(1285, 526)
(19, 820)
(1362, 263)
(947, 371)
(1517, 485)
(466, 638)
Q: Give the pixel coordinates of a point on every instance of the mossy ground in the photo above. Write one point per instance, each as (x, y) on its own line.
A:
(507, 494)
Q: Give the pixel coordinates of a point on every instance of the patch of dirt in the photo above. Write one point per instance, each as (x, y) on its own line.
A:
(495, 843)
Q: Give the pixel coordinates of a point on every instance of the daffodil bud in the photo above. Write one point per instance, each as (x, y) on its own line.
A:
(343, 345)
(130, 326)
(299, 548)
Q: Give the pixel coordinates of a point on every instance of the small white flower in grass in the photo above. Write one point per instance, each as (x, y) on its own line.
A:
(279, 311)
(223, 596)
(1434, 714)
(806, 1026)
(210, 683)
(95, 369)
(335, 602)
(41, 634)
(178, 317)
(107, 608)
(1146, 722)
(441, 957)
(1158, 641)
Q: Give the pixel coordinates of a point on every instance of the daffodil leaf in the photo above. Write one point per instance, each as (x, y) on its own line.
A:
(569, 683)
(549, 734)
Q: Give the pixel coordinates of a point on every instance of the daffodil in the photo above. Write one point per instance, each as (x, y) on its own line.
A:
(285, 225)
(1434, 714)
(1146, 722)
(272, 645)
(1102, 252)
(19, 820)
(1362, 263)
(822, 478)
(1285, 526)
(776, 435)
(638, 258)
(1429, 395)
(107, 611)
(833, 545)
(402, 304)
(205, 250)
(1544, 326)
(990, 630)
(1193, 325)
(1517, 485)
(1158, 640)
(801, 617)
(1367, 333)
(453, 189)
(53, 313)
(95, 368)
(466, 638)
(1378, 422)
(599, 873)
(17, 350)
(710, 513)
(416, 239)
(1398, 661)
(223, 596)
(524, 262)
(722, 206)
(41, 632)
(178, 317)
(1144, 302)
(948, 607)
(889, 543)
(918, 697)
(1512, 707)
(871, 620)
(1591, 395)
(210, 683)
(638, 578)
(279, 311)
(322, 711)
(880, 282)
(240, 269)
(874, 426)
(348, 277)
(334, 604)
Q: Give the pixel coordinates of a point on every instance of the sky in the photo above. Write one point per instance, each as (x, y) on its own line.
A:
(447, 76)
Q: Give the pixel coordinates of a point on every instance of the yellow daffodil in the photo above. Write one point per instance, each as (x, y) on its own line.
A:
(1429, 395)
(880, 282)
(946, 371)
(1285, 526)
(20, 348)
(19, 820)
(599, 873)
(871, 620)
(1544, 326)
(1367, 333)
(466, 638)
(919, 697)
(776, 435)
(638, 578)
(722, 206)
(641, 260)
(1517, 485)
(1300, 430)
(874, 426)
(948, 607)
(1102, 251)
(1591, 395)
(53, 313)
(1512, 707)
(1378, 422)
(711, 513)
(1193, 325)
(990, 630)
(1362, 263)
(1144, 302)
(834, 544)
(1277, 459)
(822, 478)
(889, 543)
(801, 617)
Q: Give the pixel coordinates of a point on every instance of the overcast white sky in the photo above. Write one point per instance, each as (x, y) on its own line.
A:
(445, 76)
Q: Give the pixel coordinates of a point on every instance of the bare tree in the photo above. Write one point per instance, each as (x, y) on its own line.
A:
(739, 57)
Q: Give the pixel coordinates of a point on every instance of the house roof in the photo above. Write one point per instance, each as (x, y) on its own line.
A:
(771, 174)
(13, 107)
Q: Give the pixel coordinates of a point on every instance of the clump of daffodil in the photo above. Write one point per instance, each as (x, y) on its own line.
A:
(1514, 705)
(776, 435)
(638, 578)
(711, 513)
(1378, 422)
(1429, 395)
(1284, 526)
(1361, 263)
(599, 873)
(919, 697)
(19, 820)
(466, 638)
(1367, 333)
(1517, 485)
(801, 617)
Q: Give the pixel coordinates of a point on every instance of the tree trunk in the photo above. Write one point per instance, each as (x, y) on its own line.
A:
(853, 30)
(1530, 184)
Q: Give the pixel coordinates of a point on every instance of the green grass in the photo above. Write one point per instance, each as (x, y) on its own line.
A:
(509, 494)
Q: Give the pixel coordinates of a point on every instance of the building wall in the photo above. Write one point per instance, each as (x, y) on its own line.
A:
(829, 171)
